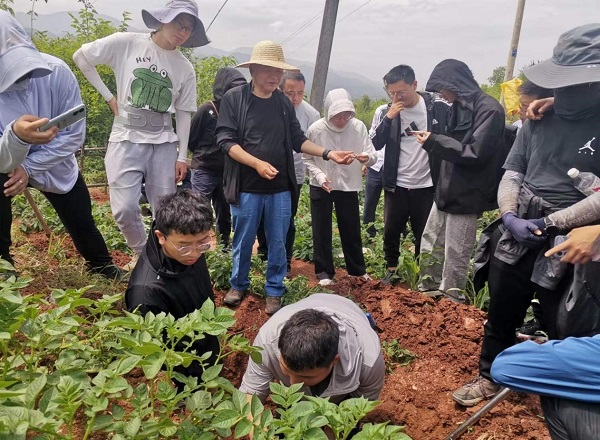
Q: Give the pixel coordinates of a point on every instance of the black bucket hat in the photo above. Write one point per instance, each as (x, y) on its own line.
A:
(576, 60)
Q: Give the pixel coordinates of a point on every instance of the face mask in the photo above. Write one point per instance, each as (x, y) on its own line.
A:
(577, 102)
(18, 86)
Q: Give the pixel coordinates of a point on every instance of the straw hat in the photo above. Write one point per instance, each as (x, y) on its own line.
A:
(268, 53)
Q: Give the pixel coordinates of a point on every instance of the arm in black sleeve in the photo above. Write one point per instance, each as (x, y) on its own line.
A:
(227, 124)
(380, 128)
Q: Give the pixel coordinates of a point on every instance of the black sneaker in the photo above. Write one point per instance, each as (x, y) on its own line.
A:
(532, 331)
(390, 278)
(112, 272)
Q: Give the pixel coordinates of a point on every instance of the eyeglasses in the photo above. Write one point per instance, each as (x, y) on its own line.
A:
(396, 93)
(181, 26)
(186, 250)
(341, 117)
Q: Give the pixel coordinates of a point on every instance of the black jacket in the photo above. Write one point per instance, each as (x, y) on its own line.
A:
(161, 284)
(472, 152)
(230, 131)
(387, 134)
(206, 153)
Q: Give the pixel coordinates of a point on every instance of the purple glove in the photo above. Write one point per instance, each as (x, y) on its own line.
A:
(522, 230)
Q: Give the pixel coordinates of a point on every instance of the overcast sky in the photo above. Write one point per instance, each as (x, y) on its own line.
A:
(381, 33)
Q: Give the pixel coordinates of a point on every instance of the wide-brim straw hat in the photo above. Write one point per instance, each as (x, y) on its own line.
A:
(155, 18)
(268, 53)
(575, 60)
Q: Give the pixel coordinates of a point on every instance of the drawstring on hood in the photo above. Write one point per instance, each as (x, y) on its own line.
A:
(336, 102)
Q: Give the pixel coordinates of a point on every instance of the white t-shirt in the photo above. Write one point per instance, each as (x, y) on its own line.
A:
(413, 166)
(148, 77)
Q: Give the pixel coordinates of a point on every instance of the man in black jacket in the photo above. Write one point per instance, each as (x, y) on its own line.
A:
(470, 157)
(207, 159)
(258, 130)
(171, 275)
(407, 176)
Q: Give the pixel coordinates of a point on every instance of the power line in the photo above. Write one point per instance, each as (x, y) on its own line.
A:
(217, 14)
(304, 26)
(339, 21)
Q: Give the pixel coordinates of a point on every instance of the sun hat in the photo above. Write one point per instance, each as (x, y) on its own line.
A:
(18, 55)
(155, 18)
(575, 60)
(268, 53)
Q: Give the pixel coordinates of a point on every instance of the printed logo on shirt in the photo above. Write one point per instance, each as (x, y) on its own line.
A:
(587, 147)
(411, 127)
(434, 122)
(151, 89)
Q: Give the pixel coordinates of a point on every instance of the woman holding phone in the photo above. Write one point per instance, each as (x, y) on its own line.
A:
(154, 81)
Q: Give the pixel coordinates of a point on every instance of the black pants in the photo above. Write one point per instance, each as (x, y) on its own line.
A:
(348, 220)
(571, 420)
(400, 206)
(263, 249)
(75, 211)
(373, 187)
(511, 292)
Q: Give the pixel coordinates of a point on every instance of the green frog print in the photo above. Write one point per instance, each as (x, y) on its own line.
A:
(151, 89)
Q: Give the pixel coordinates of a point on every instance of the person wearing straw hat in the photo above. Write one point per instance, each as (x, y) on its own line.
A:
(154, 81)
(538, 201)
(34, 82)
(258, 130)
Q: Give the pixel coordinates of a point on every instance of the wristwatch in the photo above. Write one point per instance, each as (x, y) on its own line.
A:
(551, 228)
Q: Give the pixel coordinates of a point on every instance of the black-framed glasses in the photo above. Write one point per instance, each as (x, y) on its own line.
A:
(186, 250)
(399, 93)
(181, 26)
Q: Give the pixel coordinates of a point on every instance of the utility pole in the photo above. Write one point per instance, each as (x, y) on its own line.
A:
(317, 91)
(514, 44)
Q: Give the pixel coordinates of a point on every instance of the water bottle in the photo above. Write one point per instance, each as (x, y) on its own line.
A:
(587, 183)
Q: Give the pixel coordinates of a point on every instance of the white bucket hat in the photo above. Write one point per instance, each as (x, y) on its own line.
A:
(18, 55)
(268, 53)
(155, 18)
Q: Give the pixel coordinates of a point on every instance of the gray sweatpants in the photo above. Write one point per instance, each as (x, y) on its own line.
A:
(446, 248)
(127, 164)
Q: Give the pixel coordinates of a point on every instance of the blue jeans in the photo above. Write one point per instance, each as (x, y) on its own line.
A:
(210, 184)
(276, 209)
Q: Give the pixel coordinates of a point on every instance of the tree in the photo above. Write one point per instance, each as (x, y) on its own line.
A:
(6, 5)
(32, 14)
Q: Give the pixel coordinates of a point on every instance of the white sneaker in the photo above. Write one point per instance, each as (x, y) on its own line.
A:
(129, 266)
(325, 282)
(366, 277)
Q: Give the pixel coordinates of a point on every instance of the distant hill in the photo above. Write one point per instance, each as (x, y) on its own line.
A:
(59, 23)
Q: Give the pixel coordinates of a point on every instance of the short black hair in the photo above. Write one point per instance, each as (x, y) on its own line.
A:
(291, 75)
(400, 73)
(185, 212)
(308, 340)
(530, 89)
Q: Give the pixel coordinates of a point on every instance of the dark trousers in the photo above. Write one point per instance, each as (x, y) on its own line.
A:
(400, 206)
(511, 292)
(373, 187)
(210, 184)
(348, 220)
(75, 211)
(5, 222)
(263, 249)
(571, 420)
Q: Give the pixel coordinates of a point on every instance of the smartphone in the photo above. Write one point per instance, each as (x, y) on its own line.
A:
(67, 118)
(415, 132)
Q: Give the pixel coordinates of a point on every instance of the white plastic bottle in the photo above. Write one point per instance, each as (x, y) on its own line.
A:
(587, 183)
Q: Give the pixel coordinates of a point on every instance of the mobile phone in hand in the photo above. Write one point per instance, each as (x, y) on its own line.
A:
(67, 118)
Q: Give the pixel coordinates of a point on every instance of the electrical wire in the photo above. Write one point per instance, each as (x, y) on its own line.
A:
(304, 26)
(217, 14)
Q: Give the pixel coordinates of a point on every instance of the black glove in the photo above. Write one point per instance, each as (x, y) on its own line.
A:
(523, 230)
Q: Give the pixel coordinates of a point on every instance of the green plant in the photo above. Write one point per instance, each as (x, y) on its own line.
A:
(396, 355)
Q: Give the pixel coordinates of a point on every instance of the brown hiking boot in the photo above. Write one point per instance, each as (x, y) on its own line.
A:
(475, 391)
(273, 304)
(234, 297)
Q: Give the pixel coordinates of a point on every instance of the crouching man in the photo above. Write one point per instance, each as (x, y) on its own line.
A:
(171, 275)
(323, 341)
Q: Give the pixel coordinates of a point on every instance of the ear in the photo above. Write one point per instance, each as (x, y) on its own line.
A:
(415, 85)
(335, 360)
(161, 237)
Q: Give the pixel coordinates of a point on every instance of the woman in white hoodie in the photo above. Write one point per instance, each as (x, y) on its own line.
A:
(332, 184)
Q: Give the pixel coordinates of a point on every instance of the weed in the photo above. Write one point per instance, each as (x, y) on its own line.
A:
(396, 355)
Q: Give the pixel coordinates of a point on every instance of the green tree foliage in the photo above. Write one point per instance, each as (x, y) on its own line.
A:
(365, 109)
(6, 5)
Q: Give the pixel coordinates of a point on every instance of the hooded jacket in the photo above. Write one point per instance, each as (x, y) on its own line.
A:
(472, 151)
(51, 167)
(360, 370)
(161, 284)
(230, 131)
(385, 133)
(353, 137)
(203, 144)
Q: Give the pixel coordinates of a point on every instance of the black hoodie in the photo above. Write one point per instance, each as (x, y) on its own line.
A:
(161, 284)
(472, 152)
(206, 153)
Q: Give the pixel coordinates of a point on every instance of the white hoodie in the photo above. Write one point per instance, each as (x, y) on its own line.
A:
(353, 137)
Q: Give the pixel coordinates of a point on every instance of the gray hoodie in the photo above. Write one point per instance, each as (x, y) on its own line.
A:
(360, 370)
